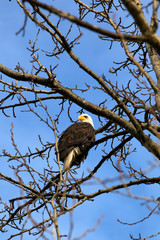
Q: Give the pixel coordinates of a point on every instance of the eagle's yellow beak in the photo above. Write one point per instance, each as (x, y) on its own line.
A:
(81, 118)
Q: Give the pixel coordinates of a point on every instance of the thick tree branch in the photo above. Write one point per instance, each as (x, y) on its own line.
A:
(148, 35)
(86, 24)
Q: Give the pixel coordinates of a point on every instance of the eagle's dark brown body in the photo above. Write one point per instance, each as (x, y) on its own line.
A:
(77, 140)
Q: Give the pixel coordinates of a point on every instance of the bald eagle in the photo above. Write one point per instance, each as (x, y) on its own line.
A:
(75, 142)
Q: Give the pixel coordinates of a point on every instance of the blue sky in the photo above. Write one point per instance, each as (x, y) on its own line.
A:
(27, 127)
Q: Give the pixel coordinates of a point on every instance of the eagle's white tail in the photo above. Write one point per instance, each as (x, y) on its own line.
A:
(70, 158)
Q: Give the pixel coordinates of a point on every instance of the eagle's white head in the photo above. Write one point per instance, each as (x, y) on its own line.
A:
(86, 118)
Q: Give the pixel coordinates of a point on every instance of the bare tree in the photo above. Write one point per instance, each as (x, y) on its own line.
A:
(125, 100)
